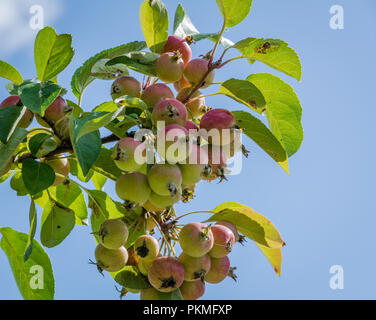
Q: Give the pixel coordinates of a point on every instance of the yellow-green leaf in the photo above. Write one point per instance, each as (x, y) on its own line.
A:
(154, 24)
(274, 256)
(234, 11)
(283, 110)
(52, 53)
(9, 72)
(250, 223)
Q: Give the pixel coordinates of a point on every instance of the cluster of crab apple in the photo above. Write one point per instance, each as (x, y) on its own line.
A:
(193, 142)
(204, 257)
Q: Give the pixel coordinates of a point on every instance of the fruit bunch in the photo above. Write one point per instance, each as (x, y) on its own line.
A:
(161, 140)
(204, 257)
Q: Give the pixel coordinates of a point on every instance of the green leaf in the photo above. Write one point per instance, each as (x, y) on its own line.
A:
(273, 52)
(7, 150)
(57, 223)
(234, 11)
(154, 24)
(183, 25)
(131, 278)
(261, 135)
(250, 223)
(70, 195)
(94, 121)
(283, 110)
(102, 71)
(37, 176)
(42, 144)
(39, 96)
(83, 75)
(9, 72)
(52, 53)
(244, 92)
(274, 256)
(17, 184)
(9, 118)
(139, 61)
(33, 227)
(34, 278)
(87, 148)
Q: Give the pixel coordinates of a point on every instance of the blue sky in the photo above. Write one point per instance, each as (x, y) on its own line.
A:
(324, 210)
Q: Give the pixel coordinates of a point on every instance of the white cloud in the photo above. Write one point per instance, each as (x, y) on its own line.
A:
(15, 16)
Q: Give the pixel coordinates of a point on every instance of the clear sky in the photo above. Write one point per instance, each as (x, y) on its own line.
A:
(325, 209)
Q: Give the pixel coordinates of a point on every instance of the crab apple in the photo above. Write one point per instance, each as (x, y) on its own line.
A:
(164, 202)
(146, 247)
(133, 187)
(196, 239)
(165, 179)
(219, 120)
(166, 274)
(192, 171)
(170, 111)
(231, 226)
(61, 166)
(195, 70)
(192, 290)
(132, 258)
(15, 100)
(175, 43)
(196, 106)
(57, 110)
(113, 234)
(169, 67)
(125, 86)
(62, 127)
(177, 146)
(195, 268)
(181, 84)
(128, 154)
(224, 240)
(219, 270)
(110, 260)
(156, 93)
(216, 165)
